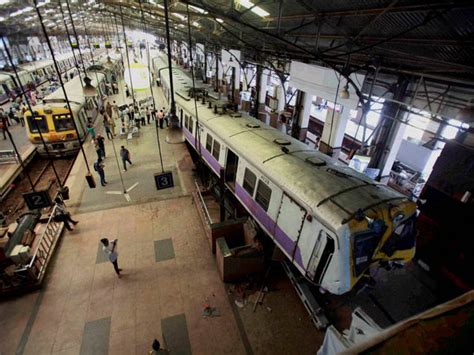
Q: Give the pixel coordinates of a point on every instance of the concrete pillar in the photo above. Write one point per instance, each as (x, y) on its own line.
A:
(387, 141)
(281, 97)
(398, 131)
(333, 131)
(300, 128)
(262, 94)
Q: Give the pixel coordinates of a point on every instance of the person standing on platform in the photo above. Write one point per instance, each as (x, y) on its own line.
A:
(115, 111)
(12, 115)
(19, 117)
(63, 214)
(136, 115)
(122, 114)
(142, 116)
(131, 114)
(99, 167)
(101, 143)
(24, 108)
(3, 123)
(110, 249)
(127, 91)
(107, 128)
(160, 118)
(97, 148)
(165, 117)
(112, 126)
(125, 155)
(148, 114)
(90, 129)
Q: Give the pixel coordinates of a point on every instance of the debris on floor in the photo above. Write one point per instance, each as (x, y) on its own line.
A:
(209, 311)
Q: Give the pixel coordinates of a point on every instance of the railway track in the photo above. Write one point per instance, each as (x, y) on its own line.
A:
(42, 176)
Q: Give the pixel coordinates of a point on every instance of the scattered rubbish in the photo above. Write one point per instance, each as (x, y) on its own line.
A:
(269, 309)
(210, 312)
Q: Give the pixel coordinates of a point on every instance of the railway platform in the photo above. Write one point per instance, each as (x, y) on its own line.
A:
(169, 274)
(11, 168)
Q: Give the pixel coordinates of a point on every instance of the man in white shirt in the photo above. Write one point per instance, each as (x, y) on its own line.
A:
(110, 249)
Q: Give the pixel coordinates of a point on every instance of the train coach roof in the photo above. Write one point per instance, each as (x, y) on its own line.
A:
(308, 175)
(4, 77)
(74, 90)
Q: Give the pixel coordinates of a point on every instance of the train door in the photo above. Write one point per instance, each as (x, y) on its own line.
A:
(181, 117)
(232, 162)
(5, 88)
(322, 254)
(289, 223)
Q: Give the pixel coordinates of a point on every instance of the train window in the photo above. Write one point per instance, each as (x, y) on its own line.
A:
(264, 194)
(191, 125)
(63, 122)
(209, 143)
(37, 122)
(216, 150)
(249, 181)
(186, 121)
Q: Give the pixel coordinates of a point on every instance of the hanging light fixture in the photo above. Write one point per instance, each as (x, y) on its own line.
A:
(89, 90)
(344, 94)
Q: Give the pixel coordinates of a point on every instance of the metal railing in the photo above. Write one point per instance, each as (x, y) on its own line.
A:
(203, 204)
(44, 247)
(8, 157)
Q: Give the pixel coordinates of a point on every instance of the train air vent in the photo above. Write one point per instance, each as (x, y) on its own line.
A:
(282, 141)
(315, 161)
(253, 125)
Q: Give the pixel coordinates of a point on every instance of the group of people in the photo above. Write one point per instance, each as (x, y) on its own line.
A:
(15, 113)
(141, 115)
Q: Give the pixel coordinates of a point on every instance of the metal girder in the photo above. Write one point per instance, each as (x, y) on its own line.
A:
(374, 11)
(400, 40)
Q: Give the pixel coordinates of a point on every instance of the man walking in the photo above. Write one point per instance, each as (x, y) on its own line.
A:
(110, 249)
(125, 155)
(99, 167)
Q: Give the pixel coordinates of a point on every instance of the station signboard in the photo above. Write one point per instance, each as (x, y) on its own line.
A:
(164, 180)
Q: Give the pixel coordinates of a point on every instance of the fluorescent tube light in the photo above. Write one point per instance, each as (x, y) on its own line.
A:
(259, 11)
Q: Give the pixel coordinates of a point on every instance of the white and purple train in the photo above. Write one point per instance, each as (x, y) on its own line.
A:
(331, 222)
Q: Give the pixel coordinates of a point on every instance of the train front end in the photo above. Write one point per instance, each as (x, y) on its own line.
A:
(52, 127)
(383, 236)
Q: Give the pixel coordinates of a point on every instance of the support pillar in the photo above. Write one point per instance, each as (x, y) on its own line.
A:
(388, 138)
(333, 131)
(303, 105)
(262, 92)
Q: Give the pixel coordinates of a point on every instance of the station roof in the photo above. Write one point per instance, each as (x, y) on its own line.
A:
(424, 37)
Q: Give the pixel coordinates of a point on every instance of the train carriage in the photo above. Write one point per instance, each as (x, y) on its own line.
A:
(37, 73)
(53, 119)
(331, 222)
